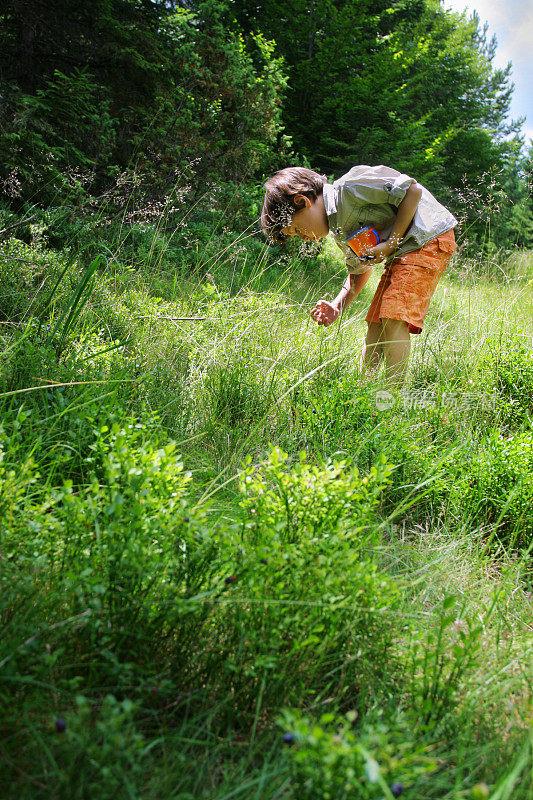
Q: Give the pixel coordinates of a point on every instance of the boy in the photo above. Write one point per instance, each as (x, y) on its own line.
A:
(416, 244)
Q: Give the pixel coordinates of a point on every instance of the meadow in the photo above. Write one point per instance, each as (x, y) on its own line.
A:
(229, 566)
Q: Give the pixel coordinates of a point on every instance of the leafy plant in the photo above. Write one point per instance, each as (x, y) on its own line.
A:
(441, 660)
(332, 759)
(305, 600)
(494, 486)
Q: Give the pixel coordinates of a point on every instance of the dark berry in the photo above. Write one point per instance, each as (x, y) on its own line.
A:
(396, 789)
(185, 519)
(230, 579)
(288, 738)
(263, 561)
(61, 725)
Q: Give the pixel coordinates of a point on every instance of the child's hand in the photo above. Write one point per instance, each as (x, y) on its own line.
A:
(325, 313)
(378, 253)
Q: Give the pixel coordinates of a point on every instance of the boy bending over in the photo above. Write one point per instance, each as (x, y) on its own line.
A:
(416, 244)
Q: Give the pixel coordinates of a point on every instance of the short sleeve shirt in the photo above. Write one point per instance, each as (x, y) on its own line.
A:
(371, 196)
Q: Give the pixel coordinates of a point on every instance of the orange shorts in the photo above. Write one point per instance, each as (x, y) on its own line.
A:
(409, 282)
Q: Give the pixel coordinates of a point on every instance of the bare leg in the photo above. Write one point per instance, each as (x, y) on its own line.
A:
(396, 341)
(372, 348)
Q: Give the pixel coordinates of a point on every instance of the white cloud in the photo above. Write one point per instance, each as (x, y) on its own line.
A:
(512, 23)
(528, 133)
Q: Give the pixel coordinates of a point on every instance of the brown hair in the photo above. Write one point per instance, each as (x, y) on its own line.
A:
(279, 205)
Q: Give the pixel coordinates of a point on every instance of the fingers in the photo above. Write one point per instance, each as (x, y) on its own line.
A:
(317, 310)
(323, 313)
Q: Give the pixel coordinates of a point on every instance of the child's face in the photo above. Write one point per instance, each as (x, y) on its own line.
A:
(310, 222)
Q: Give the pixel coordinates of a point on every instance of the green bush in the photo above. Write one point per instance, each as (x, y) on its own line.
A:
(233, 395)
(495, 487)
(99, 752)
(332, 760)
(333, 413)
(128, 551)
(54, 404)
(514, 380)
(305, 601)
(338, 415)
(25, 270)
(485, 481)
(140, 551)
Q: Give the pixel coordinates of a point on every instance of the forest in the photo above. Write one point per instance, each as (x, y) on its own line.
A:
(231, 565)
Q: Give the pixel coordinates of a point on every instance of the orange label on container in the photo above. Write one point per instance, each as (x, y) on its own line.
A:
(362, 240)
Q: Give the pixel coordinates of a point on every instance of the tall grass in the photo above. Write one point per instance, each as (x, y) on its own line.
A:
(226, 570)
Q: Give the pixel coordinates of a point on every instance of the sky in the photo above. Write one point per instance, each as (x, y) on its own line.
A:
(512, 23)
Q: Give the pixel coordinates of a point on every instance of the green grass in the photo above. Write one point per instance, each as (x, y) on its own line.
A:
(181, 586)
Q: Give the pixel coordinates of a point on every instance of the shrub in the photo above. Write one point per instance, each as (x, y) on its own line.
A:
(332, 760)
(96, 750)
(128, 553)
(514, 379)
(233, 395)
(495, 487)
(304, 603)
(137, 546)
(334, 413)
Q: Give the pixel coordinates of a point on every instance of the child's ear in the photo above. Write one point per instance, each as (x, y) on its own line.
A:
(301, 201)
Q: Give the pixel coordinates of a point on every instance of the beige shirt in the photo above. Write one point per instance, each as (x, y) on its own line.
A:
(371, 196)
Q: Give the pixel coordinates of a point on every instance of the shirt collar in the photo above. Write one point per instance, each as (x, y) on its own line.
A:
(329, 194)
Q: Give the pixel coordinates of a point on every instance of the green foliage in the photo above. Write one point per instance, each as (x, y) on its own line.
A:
(514, 380)
(234, 397)
(495, 487)
(308, 499)
(100, 751)
(335, 413)
(147, 553)
(56, 138)
(440, 659)
(409, 84)
(25, 271)
(128, 556)
(331, 759)
(165, 93)
(144, 630)
(142, 110)
(234, 117)
(305, 581)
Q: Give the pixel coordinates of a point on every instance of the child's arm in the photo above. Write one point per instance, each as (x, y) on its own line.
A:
(404, 217)
(325, 313)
